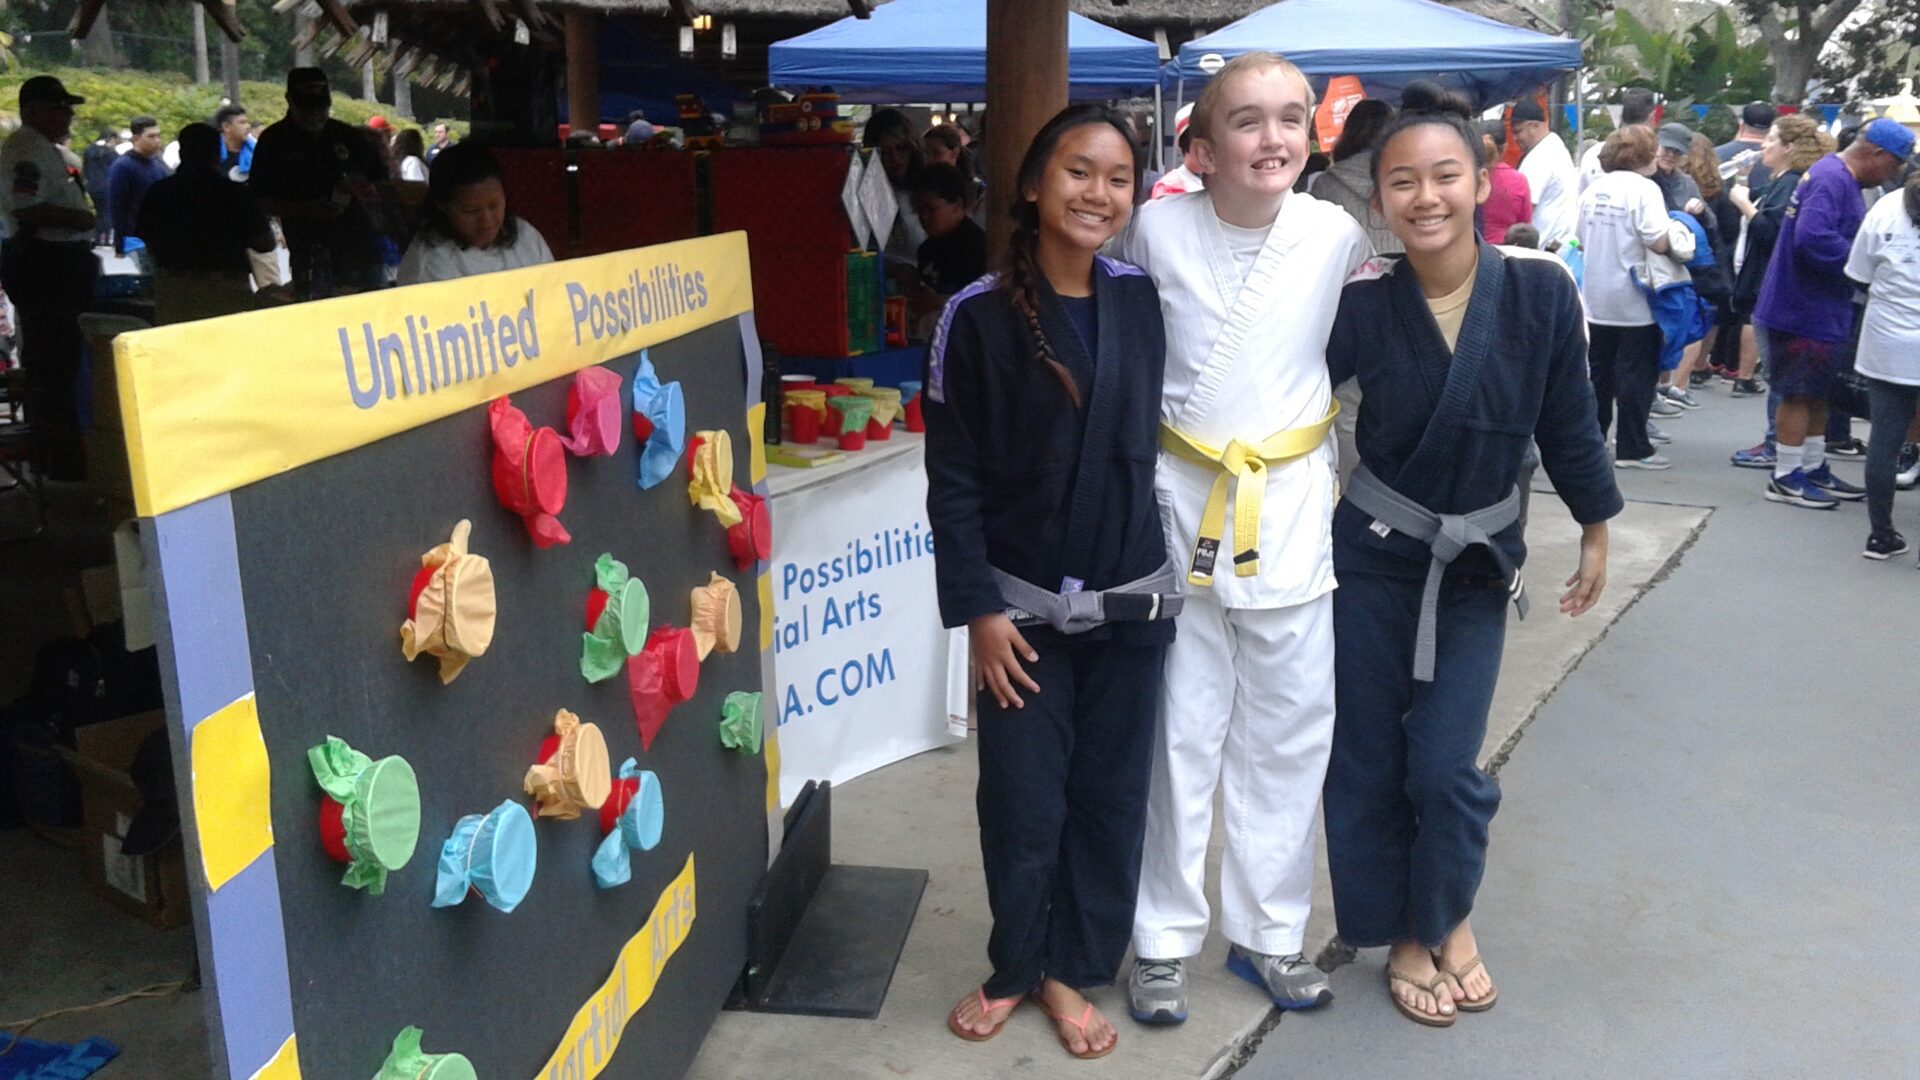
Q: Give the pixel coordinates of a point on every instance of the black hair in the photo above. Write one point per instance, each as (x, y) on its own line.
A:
(1365, 122)
(226, 113)
(886, 123)
(1913, 198)
(139, 124)
(461, 165)
(1021, 267)
(409, 143)
(1636, 106)
(1523, 235)
(945, 182)
(200, 145)
(1424, 102)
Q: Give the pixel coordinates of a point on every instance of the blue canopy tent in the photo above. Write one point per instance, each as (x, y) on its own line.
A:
(1388, 44)
(936, 50)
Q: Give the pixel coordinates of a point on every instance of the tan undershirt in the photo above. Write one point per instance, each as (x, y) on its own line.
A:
(1451, 310)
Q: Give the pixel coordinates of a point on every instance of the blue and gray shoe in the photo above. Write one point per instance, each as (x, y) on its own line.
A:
(1824, 479)
(1157, 992)
(1795, 489)
(1290, 981)
(1755, 457)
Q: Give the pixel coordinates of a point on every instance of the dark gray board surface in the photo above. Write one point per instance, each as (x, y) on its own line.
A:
(327, 554)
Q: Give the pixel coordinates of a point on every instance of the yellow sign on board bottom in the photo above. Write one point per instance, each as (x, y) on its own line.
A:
(594, 1034)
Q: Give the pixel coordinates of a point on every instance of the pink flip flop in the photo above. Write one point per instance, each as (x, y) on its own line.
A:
(987, 1005)
(1061, 1018)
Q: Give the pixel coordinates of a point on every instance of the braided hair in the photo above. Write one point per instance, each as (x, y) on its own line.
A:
(1022, 268)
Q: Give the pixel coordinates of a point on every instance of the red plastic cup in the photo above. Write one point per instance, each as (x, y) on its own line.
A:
(803, 424)
(853, 440)
(915, 422)
(878, 431)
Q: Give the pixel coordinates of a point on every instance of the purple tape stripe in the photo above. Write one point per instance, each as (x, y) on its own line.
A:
(1116, 268)
(247, 948)
(750, 345)
(936, 387)
(198, 602)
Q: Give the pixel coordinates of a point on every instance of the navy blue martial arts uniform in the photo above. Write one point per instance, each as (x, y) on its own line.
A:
(1407, 806)
(1020, 480)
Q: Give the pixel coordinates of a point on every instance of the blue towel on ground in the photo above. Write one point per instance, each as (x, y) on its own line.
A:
(36, 1060)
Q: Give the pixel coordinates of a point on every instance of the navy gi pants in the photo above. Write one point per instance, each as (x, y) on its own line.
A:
(1407, 807)
(1063, 811)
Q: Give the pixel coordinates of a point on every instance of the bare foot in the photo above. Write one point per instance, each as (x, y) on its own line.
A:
(970, 1017)
(1410, 960)
(1067, 1006)
(1457, 953)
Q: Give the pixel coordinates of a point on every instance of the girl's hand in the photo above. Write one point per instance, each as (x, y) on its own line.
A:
(1737, 195)
(1695, 206)
(1588, 582)
(997, 649)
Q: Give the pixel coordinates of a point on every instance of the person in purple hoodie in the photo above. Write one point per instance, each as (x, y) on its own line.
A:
(1805, 308)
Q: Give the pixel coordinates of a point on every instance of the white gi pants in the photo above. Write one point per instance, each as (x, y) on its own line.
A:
(1249, 705)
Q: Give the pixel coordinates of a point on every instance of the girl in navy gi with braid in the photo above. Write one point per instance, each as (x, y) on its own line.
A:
(1043, 391)
(1464, 352)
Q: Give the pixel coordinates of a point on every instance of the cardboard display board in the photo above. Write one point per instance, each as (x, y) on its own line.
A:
(296, 464)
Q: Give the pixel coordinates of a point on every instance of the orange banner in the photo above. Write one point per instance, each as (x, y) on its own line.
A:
(1343, 93)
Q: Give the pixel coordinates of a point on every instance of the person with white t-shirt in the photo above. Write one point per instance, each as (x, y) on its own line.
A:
(467, 228)
(1623, 219)
(1636, 109)
(1550, 175)
(1886, 260)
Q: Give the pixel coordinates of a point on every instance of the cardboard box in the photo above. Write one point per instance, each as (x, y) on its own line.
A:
(153, 887)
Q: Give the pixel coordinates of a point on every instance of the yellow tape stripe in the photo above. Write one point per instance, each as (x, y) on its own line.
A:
(284, 1066)
(232, 791)
(212, 406)
(595, 1032)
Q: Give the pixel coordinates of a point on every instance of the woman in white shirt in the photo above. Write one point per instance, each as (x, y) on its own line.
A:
(1623, 218)
(1886, 259)
(410, 152)
(466, 228)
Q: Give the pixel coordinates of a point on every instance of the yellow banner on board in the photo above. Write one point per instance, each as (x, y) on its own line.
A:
(212, 406)
(595, 1032)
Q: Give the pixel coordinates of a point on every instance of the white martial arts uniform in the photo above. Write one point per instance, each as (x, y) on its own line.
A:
(1249, 682)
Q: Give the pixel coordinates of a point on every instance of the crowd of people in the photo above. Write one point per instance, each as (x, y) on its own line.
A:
(1133, 489)
(356, 207)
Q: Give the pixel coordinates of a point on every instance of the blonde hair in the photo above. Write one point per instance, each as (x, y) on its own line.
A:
(1804, 140)
(1247, 63)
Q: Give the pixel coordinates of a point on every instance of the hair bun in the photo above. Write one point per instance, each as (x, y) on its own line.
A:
(1425, 96)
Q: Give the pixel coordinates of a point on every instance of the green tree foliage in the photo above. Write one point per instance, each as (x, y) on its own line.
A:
(1705, 62)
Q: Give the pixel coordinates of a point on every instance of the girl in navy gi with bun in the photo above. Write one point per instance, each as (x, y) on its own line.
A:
(1465, 352)
(1043, 405)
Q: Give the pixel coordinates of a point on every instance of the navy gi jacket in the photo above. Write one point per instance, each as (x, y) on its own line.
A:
(1526, 330)
(1021, 480)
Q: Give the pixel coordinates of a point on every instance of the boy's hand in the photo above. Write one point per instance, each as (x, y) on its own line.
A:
(997, 649)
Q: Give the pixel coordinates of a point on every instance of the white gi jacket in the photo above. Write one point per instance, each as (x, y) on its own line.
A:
(1243, 362)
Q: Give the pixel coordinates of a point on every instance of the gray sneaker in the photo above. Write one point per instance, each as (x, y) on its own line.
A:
(1157, 992)
(1664, 408)
(1290, 981)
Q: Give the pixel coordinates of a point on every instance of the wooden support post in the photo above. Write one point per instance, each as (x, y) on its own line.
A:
(583, 71)
(1026, 85)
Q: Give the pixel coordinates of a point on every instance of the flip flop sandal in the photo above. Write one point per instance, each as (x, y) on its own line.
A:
(1062, 1018)
(1459, 975)
(1432, 986)
(987, 1005)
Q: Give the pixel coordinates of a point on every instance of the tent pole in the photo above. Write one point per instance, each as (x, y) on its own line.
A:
(1159, 143)
(1579, 108)
(1026, 85)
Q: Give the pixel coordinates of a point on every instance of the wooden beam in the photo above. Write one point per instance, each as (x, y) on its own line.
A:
(1026, 85)
(337, 11)
(583, 71)
(222, 14)
(84, 17)
(495, 18)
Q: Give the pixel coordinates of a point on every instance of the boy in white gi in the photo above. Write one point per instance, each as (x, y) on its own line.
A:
(1249, 278)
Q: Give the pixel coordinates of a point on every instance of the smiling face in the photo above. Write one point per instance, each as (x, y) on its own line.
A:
(1085, 193)
(1428, 187)
(1667, 159)
(1255, 143)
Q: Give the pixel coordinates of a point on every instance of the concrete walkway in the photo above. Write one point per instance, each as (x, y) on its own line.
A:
(920, 813)
(1708, 857)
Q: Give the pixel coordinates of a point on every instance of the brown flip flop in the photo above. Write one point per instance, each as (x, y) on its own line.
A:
(1086, 1015)
(1459, 975)
(987, 1005)
(1432, 986)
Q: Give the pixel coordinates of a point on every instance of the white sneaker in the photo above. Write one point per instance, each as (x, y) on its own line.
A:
(1652, 462)
(1679, 397)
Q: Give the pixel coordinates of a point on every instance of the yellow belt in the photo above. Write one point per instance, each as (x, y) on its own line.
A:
(1245, 465)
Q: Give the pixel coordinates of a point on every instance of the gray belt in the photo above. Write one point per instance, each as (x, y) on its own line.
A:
(1156, 596)
(1448, 536)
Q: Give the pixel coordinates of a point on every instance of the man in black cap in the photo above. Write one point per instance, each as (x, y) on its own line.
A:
(48, 267)
(1755, 119)
(1550, 174)
(317, 174)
